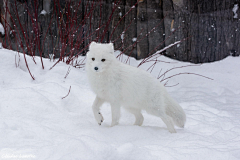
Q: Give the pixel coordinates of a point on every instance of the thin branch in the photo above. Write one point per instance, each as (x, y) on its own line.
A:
(171, 85)
(185, 73)
(68, 93)
(69, 69)
(122, 19)
(176, 68)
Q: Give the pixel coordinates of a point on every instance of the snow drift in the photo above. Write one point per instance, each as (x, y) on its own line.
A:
(37, 123)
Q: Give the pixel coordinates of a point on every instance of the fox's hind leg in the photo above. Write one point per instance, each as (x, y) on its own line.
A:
(96, 109)
(138, 115)
(166, 119)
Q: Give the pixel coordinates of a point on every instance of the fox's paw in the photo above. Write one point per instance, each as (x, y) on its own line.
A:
(99, 118)
(114, 124)
(172, 130)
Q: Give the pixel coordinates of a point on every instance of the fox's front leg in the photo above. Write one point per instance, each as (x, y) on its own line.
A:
(115, 114)
(96, 109)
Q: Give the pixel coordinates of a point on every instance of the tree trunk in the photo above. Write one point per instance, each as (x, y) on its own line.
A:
(211, 26)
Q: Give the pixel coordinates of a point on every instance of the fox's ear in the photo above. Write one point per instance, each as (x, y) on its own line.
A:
(112, 47)
(92, 45)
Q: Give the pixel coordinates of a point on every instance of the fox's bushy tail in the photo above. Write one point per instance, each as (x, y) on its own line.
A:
(175, 111)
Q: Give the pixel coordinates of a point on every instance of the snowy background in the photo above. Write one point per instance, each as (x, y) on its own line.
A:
(36, 123)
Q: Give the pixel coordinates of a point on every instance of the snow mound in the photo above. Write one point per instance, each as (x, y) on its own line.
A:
(37, 123)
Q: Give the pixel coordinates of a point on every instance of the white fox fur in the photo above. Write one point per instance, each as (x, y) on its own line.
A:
(132, 88)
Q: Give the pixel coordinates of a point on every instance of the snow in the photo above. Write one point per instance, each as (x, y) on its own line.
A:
(122, 36)
(43, 12)
(2, 29)
(120, 14)
(169, 46)
(36, 123)
(235, 8)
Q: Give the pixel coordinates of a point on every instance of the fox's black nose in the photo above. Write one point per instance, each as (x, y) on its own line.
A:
(96, 68)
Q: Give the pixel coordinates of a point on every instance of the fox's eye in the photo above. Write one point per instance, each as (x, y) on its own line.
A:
(93, 59)
(103, 60)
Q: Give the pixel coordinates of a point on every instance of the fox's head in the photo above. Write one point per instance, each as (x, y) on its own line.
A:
(100, 56)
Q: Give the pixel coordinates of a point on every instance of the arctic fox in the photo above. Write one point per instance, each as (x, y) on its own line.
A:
(132, 88)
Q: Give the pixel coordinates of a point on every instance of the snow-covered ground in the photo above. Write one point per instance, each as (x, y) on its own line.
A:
(36, 123)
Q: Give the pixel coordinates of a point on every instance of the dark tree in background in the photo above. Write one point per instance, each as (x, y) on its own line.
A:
(212, 25)
(68, 26)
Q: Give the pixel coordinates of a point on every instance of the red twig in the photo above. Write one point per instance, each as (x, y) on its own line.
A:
(124, 31)
(69, 69)
(150, 56)
(55, 64)
(34, 20)
(186, 73)
(68, 93)
(99, 24)
(137, 41)
(165, 85)
(131, 45)
(25, 36)
(109, 19)
(21, 43)
(175, 68)
(121, 20)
